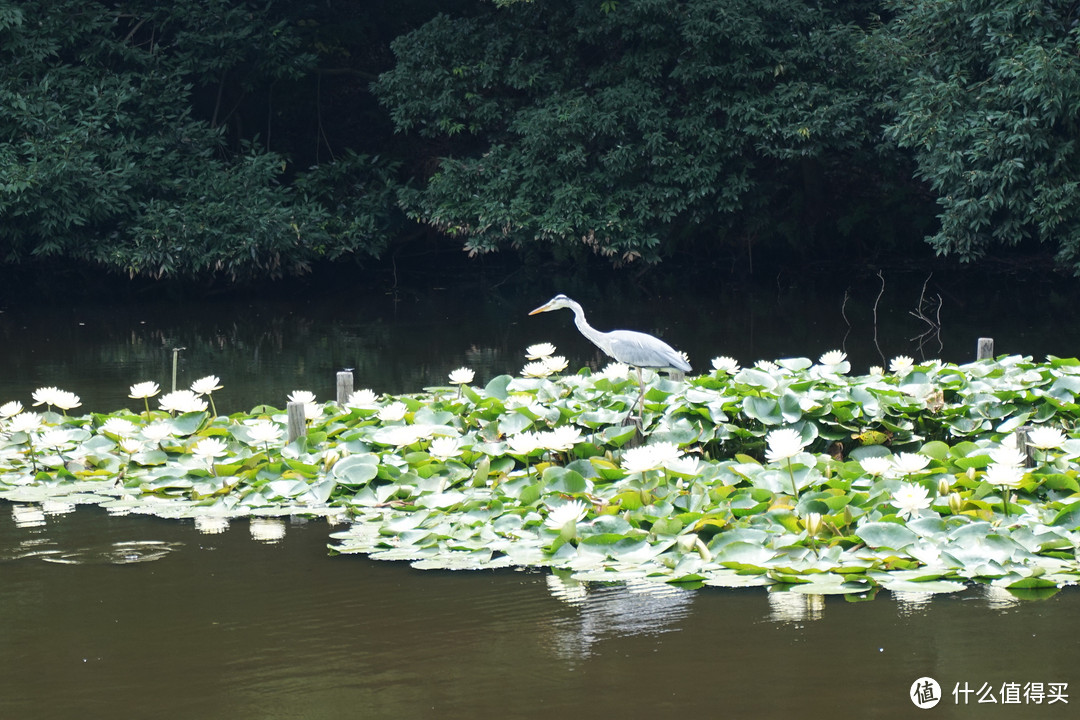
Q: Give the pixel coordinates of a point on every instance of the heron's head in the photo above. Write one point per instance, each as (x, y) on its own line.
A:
(556, 303)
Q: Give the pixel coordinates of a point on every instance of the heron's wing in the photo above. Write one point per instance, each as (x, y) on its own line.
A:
(641, 350)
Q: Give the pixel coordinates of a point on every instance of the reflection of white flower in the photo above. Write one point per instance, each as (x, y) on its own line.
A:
(119, 427)
(539, 350)
(907, 463)
(393, 412)
(725, 364)
(877, 465)
(146, 389)
(1043, 437)
(911, 499)
(11, 409)
(567, 513)
(182, 401)
(206, 385)
(523, 443)
(362, 398)
(536, 370)
(1001, 475)
(444, 448)
(901, 364)
(462, 376)
(783, 444)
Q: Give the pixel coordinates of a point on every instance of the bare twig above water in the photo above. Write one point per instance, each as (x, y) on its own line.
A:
(933, 330)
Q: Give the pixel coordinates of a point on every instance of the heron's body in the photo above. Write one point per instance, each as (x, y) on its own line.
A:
(627, 346)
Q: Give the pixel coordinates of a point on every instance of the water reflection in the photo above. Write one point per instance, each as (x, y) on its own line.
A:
(267, 530)
(795, 607)
(619, 610)
(28, 516)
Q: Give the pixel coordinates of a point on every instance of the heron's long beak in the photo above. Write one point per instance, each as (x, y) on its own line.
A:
(542, 308)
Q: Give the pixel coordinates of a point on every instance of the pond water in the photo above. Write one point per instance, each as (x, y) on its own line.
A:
(132, 616)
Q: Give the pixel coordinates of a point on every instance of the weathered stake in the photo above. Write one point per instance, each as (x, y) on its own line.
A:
(1023, 446)
(985, 349)
(297, 420)
(344, 386)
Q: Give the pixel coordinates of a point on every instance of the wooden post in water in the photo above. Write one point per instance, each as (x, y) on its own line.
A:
(297, 420)
(985, 349)
(344, 386)
(1022, 445)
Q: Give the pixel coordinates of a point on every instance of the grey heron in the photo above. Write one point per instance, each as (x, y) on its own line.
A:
(636, 349)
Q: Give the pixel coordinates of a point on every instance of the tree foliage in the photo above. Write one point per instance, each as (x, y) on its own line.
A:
(986, 93)
(619, 125)
(104, 159)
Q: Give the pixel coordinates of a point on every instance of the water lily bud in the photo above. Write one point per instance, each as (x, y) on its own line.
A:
(848, 517)
(955, 503)
(971, 473)
(331, 457)
(687, 542)
(943, 487)
(813, 523)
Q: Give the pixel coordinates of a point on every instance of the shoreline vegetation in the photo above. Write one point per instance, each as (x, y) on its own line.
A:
(919, 477)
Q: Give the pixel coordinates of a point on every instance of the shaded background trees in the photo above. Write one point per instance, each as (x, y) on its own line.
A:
(226, 138)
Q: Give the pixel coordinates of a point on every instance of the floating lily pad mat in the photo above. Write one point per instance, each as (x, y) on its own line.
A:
(919, 477)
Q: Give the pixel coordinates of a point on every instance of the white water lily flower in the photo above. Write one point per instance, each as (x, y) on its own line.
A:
(911, 499)
(1002, 475)
(24, 422)
(156, 432)
(561, 438)
(445, 448)
(393, 412)
(523, 443)
(45, 396)
(877, 371)
(650, 457)
(555, 363)
(571, 512)
(363, 398)
(462, 376)
(11, 409)
(615, 371)
(725, 364)
(400, 435)
(686, 465)
(1044, 437)
(901, 364)
(833, 357)
(302, 396)
(264, 432)
(767, 366)
(66, 400)
(182, 401)
(209, 448)
(1009, 456)
(783, 444)
(878, 465)
(54, 437)
(206, 385)
(906, 463)
(147, 389)
(539, 351)
(119, 427)
(536, 370)
(130, 445)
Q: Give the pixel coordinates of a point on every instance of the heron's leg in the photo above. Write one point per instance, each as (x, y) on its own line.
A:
(641, 401)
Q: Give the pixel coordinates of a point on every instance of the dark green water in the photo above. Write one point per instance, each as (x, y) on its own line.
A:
(119, 617)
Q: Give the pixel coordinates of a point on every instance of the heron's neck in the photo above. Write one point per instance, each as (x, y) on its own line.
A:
(598, 338)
